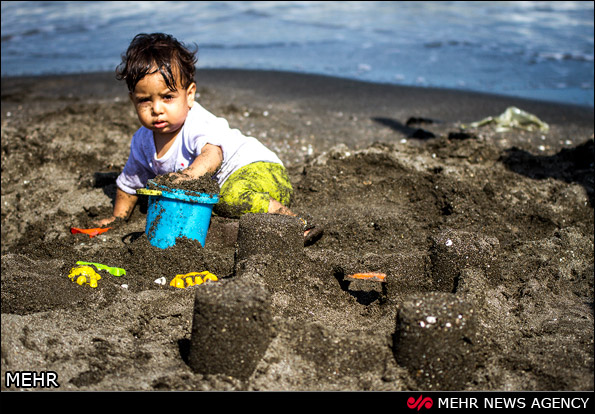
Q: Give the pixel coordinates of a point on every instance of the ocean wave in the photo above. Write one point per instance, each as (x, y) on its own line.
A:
(267, 45)
(561, 56)
(491, 45)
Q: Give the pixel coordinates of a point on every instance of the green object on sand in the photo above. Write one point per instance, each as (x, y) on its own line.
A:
(511, 118)
(116, 271)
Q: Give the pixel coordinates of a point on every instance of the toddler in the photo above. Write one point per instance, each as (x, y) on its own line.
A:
(180, 137)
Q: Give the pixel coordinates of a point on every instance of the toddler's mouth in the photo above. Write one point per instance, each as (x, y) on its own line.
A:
(160, 124)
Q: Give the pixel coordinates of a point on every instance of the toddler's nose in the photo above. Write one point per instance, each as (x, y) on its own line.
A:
(157, 107)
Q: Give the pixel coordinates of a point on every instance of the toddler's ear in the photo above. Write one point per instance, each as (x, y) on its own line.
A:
(190, 94)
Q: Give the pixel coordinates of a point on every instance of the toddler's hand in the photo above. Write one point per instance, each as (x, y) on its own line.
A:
(104, 222)
(183, 175)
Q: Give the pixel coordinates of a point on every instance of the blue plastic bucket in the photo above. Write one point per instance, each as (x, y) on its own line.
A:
(176, 214)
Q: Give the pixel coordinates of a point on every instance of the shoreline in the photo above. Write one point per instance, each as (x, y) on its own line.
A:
(301, 115)
(287, 84)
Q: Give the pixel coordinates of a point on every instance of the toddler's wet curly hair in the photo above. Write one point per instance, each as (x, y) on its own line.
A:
(157, 52)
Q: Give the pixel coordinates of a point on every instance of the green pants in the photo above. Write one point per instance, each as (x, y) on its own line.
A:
(249, 190)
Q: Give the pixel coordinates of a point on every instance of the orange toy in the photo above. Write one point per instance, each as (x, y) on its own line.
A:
(90, 232)
(379, 277)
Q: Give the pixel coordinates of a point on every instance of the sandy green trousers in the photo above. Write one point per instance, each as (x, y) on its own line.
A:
(249, 189)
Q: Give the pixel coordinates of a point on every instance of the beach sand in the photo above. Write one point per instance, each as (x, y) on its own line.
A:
(485, 238)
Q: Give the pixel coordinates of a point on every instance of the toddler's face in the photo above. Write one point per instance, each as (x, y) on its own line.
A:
(159, 109)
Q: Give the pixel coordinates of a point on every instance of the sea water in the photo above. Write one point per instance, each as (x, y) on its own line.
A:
(540, 50)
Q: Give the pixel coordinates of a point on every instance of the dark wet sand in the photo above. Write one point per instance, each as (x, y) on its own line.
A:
(486, 240)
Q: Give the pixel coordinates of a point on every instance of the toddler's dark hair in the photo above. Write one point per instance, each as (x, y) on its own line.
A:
(161, 51)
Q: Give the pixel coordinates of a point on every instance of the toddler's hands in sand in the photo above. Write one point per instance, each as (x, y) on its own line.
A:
(179, 176)
(104, 222)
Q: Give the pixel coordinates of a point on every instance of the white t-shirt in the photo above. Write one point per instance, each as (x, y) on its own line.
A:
(200, 128)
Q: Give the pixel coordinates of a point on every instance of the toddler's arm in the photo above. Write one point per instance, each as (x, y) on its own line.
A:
(123, 206)
(208, 161)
